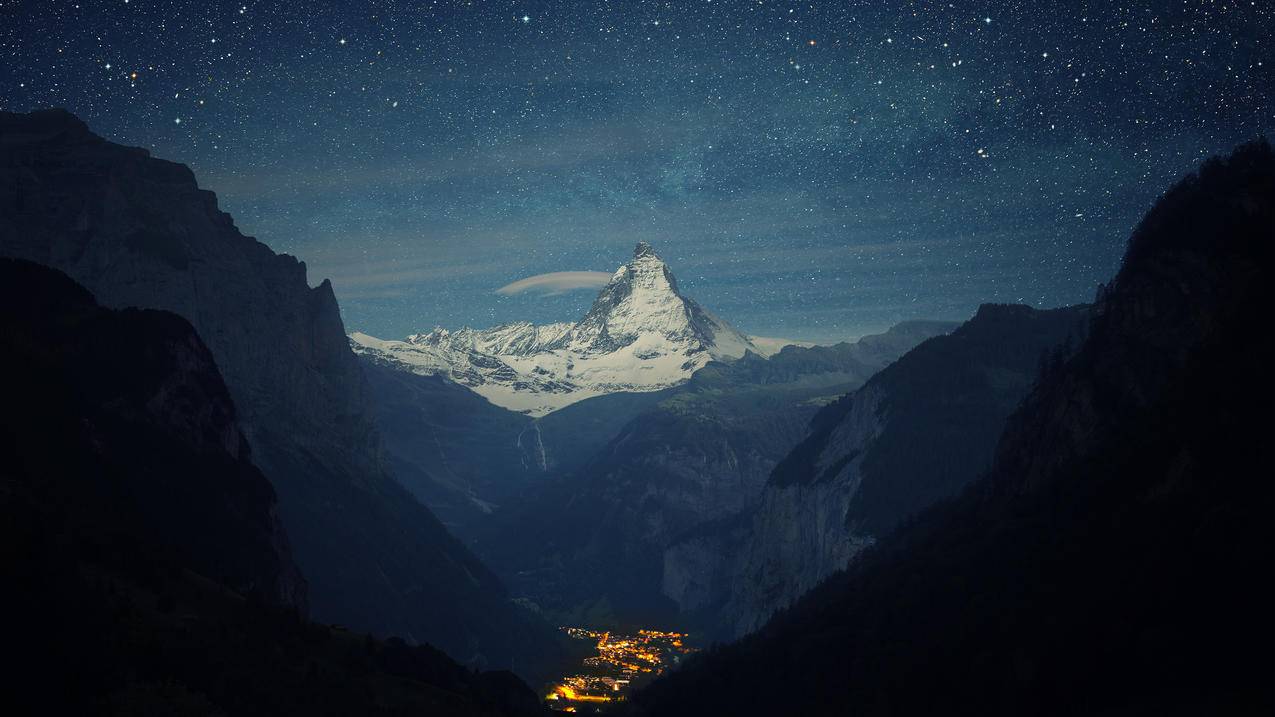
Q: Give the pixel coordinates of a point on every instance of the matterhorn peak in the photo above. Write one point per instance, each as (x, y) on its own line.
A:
(645, 271)
(641, 334)
(644, 250)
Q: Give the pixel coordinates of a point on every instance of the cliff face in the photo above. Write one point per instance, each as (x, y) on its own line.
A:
(694, 454)
(793, 537)
(138, 231)
(917, 432)
(121, 420)
(1118, 555)
(141, 549)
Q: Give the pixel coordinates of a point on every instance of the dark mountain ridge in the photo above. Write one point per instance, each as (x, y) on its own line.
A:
(147, 571)
(1118, 558)
(121, 419)
(138, 231)
(916, 432)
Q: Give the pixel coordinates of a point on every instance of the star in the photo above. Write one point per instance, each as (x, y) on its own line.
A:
(885, 117)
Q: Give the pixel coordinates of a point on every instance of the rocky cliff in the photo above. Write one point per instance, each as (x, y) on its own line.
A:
(917, 432)
(121, 420)
(138, 231)
(696, 453)
(1117, 558)
(142, 546)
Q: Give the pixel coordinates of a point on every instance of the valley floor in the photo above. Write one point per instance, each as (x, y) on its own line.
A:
(622, 661)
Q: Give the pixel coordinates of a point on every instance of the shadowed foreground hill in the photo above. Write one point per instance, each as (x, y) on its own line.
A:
(1119, 557)
(138, 231)
(145, 571)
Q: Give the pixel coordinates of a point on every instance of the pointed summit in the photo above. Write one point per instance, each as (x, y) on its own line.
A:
(642, 309)
(643, 250)
(640, 334)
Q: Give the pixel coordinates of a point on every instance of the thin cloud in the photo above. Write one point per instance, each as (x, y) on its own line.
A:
(557, 282)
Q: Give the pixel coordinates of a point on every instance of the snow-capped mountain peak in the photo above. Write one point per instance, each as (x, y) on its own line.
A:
(641, 334)
(642, 300)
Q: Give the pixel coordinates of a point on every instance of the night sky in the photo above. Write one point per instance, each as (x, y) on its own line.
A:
(809, 170)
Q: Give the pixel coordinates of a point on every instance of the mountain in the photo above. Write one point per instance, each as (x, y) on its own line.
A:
(138, 231)
(641, 334)
(123, 416)
(469, 459)
(143, 545)
(687, 455)
(859, 471)
(1118, 557)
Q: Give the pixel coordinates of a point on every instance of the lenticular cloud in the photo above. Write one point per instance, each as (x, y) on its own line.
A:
(557, 282)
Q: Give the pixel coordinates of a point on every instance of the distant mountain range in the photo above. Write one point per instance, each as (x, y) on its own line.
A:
(606, 438)
(641, 334)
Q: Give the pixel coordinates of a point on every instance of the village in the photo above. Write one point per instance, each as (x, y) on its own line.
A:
(622, 660)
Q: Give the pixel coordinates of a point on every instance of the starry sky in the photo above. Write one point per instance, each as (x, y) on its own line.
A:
(813, 170)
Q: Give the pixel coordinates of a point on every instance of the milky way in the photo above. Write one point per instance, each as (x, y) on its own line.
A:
(812, 170)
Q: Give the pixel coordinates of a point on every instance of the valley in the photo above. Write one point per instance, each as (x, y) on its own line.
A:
(1015, 460)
